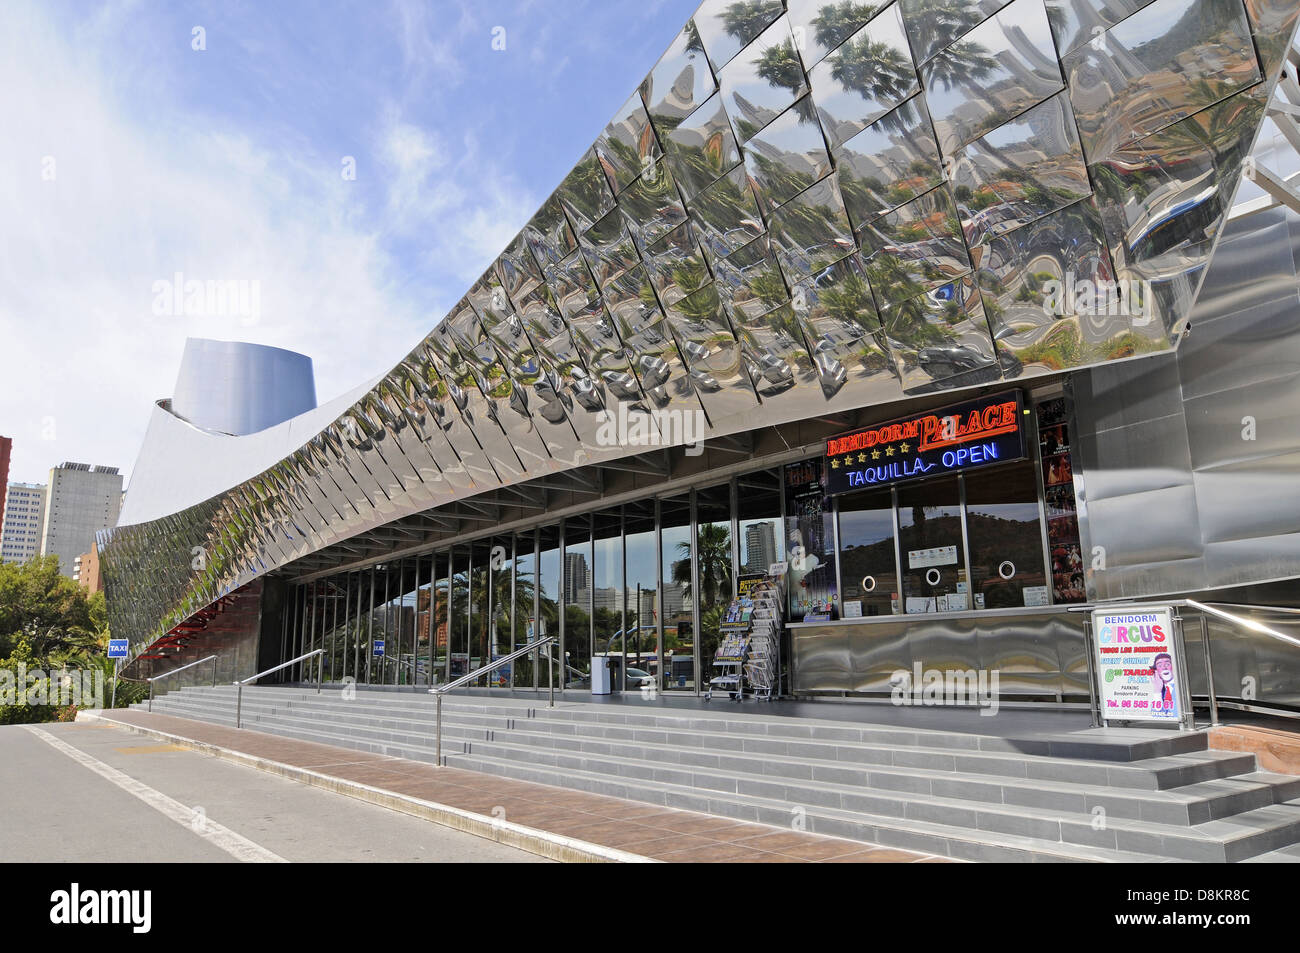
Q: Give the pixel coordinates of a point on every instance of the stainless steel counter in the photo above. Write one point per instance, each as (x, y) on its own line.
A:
(1034, 651)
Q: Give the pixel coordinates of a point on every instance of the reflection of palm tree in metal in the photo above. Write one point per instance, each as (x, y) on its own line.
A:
(745, 19)
(835, 23)
(934, 24)
(781, 67)
(876, 71)
(964, 64)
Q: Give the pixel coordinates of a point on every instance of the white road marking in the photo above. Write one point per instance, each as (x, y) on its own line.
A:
(238, 846)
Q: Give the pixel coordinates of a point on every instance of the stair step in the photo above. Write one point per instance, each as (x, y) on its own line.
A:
(963, 795)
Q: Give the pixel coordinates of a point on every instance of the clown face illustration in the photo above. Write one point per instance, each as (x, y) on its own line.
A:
(1163, 669)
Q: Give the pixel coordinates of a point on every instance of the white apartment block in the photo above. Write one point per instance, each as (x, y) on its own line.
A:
(20, 525)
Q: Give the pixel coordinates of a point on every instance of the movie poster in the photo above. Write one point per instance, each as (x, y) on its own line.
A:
(810, 542)
(1058, 487)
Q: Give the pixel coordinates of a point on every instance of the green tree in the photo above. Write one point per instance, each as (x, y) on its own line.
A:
(48, 609)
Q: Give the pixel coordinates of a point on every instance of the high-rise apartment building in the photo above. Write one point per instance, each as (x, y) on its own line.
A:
(576, 578)
(760, 546)
(20, 528)
(81, 501)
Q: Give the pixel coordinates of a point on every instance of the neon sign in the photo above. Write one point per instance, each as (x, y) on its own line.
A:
(963, 436)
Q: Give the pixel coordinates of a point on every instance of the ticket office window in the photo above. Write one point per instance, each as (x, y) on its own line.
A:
(1006, 538)
(931, 547)
(905, 550)
(868, 567)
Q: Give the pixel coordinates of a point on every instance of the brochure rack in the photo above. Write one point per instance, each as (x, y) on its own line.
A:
(749, 655)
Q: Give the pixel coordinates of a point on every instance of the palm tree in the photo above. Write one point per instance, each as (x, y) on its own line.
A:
(714, 561)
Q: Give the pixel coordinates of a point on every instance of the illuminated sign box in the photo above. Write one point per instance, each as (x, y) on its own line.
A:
(976, 433)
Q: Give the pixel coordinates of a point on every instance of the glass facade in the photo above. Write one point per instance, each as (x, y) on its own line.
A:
(644, 583)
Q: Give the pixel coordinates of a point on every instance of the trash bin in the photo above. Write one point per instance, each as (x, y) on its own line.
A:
(600, 680)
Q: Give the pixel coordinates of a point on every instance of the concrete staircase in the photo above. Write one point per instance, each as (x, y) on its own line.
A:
(1076, 796)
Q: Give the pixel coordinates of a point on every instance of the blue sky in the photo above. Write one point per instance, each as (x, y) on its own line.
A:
(129, 156)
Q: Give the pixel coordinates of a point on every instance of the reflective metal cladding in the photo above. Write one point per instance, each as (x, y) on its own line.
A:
(805, 206)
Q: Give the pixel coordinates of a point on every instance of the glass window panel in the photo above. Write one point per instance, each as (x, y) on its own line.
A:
(1006, 540)
(868, 570)
(480, 586)
(608, 603)
(758, 524)
(810, 541)
(388, 629)
(499, 605)
(577, 602)
(642, 596)
(930, 538)
(423, 616)
(549, 582)
(460, 620)
(404, 664)
(678, 625)
(523, 620)
(441, 623)
(336, 627)
(713, 568)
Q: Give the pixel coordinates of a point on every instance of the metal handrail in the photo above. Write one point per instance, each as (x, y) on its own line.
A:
(482, 670)
(1250, 624)
(239, 692)
(1206, 609)
(159, 678)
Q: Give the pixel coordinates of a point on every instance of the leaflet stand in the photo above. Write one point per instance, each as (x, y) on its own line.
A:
(750, 651)
(729, 660)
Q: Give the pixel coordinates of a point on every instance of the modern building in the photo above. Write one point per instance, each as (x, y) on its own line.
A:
(760, 547)
(86, 573)
(1007, 338)
(576, 578)
(20, 530)
(82, 500)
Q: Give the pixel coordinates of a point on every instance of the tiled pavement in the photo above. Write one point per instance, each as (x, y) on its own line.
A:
(647, 830)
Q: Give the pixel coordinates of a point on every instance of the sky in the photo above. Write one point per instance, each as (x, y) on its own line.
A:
(363, 163)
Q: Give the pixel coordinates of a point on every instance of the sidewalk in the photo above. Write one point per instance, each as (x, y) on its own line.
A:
(554, 822)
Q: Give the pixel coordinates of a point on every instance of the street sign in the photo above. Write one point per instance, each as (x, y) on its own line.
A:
(379, 648)
(117, 648)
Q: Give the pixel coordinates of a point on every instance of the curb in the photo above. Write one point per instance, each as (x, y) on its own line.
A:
(543, 843)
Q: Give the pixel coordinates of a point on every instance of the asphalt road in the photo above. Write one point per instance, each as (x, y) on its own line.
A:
(94, 792)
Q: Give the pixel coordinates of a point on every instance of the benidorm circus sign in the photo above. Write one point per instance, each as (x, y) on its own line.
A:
(972, 434)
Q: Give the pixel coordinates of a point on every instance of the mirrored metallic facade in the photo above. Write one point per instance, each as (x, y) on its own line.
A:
(806, 207)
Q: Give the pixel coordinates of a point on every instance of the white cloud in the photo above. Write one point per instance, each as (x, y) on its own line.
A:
(463, 212)
(140, 192)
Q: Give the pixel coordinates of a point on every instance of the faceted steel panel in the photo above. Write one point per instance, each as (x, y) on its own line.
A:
(806, 206)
